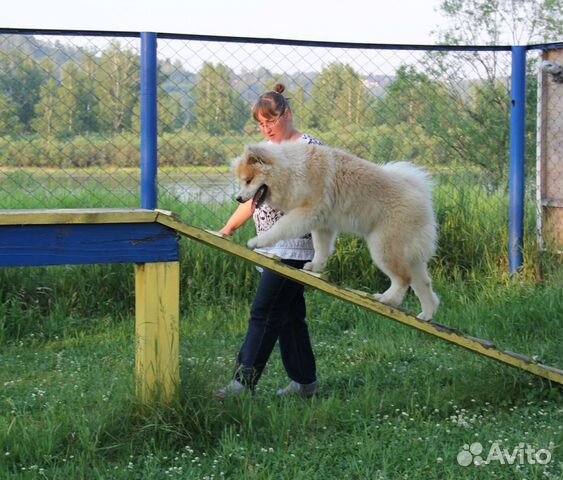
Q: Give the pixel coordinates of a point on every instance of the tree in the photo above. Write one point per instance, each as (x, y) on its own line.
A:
(339, 97)
(46, 122)
(21, 79)
(413, 101)
(485, 98)
(410, 98)
(300, 107)
(218, 108)
(170, 115)
(9, 121)
(67, 108)
(170, 111)
(118, 87)
(497, 22)
(88, 101)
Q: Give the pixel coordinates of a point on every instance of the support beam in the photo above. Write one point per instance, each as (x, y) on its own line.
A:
(157, 305)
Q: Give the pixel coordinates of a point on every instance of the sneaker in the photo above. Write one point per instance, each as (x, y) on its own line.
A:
(305, 390)
(233, 389)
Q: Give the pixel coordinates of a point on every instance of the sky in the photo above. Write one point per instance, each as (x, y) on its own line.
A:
(369, 21)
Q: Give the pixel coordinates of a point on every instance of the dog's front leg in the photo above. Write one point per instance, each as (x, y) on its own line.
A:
(323, 243)
(294, 224)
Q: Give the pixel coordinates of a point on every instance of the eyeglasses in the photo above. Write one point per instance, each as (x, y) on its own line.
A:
(273, 122)
(269, 123)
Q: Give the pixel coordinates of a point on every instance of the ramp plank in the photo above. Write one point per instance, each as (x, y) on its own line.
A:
(365, 300)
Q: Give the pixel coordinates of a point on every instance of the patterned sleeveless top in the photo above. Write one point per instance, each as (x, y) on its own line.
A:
(265, 217)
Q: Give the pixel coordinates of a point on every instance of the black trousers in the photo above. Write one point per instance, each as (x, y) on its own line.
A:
(278, 314)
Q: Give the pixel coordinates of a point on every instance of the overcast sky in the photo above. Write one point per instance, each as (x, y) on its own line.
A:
(375, 21)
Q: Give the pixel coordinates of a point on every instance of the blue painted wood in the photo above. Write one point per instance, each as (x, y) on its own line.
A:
(41, 245)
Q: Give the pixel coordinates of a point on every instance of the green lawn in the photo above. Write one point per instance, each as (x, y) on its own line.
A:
(394, 403)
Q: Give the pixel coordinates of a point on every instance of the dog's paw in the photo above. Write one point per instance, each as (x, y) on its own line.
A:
(424, 317)
(386, 299)
(379, 297)
(429, 311)
(252, 243)
(313, 267)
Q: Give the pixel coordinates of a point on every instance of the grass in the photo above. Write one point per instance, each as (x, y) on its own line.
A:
(394, 403)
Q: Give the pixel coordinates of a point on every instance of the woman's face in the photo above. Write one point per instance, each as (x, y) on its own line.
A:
(276, 130)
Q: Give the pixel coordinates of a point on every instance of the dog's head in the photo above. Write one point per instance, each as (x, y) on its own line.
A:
(251, 170)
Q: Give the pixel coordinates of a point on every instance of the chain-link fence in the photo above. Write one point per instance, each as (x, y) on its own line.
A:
(70, 118)
(550, 151)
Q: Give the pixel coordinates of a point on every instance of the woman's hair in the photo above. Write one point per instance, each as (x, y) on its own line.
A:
(271, 104)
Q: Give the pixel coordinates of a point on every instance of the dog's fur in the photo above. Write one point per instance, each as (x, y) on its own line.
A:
(325, 191)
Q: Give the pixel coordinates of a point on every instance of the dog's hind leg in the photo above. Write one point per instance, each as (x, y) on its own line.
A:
(422, 286)
(395, 294)
(389, 259)
(323, 242)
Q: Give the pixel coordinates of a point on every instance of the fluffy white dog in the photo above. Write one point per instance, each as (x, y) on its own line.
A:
(326, 191)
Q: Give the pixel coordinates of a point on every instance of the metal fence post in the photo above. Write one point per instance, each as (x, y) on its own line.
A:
(149, 151)
(517, 163)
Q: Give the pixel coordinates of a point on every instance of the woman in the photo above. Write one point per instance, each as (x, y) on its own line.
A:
(278, 310)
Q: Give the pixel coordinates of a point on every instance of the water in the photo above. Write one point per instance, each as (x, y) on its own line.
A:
(207, 190)
(57, 190)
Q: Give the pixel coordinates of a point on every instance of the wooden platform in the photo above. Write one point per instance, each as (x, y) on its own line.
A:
(107, 236)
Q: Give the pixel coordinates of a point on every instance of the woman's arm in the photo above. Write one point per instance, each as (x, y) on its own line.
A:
(241, 215)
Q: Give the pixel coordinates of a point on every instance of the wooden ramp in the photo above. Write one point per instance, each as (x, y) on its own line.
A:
(365, 300)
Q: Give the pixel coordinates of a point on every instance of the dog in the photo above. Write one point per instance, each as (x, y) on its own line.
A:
(326, 191)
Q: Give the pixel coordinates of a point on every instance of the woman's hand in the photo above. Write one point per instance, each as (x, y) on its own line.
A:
(227, 231)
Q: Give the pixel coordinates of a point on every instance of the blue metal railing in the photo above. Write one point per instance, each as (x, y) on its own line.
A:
(149, 132)
(517, 158)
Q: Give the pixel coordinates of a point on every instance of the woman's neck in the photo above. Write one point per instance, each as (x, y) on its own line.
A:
(293, 135)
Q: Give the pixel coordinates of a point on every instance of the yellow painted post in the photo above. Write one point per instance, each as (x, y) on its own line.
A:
(157, 309)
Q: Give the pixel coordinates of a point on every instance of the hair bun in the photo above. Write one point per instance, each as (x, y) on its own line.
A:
(279, 88)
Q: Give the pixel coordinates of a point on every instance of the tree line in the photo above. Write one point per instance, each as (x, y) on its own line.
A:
(421, 114)
(431, 112)
(100, 95)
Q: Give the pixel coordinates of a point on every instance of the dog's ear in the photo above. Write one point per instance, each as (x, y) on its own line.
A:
(235, 163)
(257, 154)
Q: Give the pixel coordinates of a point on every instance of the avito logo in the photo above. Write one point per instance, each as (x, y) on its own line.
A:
(521, 454)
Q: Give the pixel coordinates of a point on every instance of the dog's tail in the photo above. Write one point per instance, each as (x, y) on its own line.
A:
(419, 180)
(414, 174)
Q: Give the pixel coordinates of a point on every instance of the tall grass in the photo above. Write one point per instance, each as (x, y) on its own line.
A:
(394, 403)
(473, 246)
